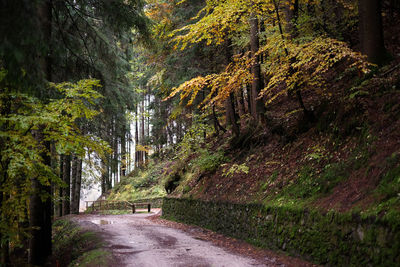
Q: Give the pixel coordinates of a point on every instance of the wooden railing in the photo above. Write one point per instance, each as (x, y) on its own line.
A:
(134, 205)
(99, 205)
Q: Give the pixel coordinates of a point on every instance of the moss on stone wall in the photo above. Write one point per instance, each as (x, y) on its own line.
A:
(155, 202)
(331, 238)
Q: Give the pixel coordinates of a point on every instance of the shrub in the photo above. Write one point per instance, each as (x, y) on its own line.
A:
(209, 162)
(236, 168)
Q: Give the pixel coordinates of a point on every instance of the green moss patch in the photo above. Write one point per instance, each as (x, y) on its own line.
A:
(342, 239)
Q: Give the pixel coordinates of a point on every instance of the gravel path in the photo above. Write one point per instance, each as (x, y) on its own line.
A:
(134, 240)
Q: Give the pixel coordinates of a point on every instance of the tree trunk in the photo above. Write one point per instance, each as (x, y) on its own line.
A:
(128, 144)
(109, 173)
(247, 99)
(137, 137)
(77, 189)
(40, 214)
(115, 158)
(76, 184)
(61, 190)
(5, 162)
(230, 115)
(215, 121)
(240, 106)
(67, 181)
(54, 167)
(143, 130)
(74, 163)
(40, 246)
(371, 31)
(103, 176)
(5, 246)
(239, 102)
(256, 105)
(123, 149)
(291, 12)
(148, 117)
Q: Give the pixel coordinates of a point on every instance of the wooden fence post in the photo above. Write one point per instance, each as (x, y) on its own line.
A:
(148, 207)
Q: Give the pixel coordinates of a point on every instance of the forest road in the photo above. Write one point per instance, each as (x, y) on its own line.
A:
(135, 240)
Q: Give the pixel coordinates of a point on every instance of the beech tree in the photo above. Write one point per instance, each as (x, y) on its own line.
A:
(25, 171)
(256, 103)
(289, 61)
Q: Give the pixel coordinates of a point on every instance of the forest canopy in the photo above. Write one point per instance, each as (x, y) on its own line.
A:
(100, 87)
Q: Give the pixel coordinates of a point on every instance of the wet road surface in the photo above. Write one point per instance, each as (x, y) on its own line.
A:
(136, 241)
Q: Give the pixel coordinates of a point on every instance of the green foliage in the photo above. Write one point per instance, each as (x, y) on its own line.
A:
(73, 245)
(141, 184)
(217, 20)
(388, 189)
(389, 186)
(96, 257)
(304, 65)
(236, 169)
(194, 138)
(174, 175)
(26, 123)
(317, 153)
(148, 177)
(321, 17)
(270, 179)
(310, 185)
(182, 172)
(312, 182)
(208, 161)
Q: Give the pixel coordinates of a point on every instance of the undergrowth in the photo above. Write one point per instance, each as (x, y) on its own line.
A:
(96, 257)
(387, 192)
(73, 246)
(344, 146)
(319, 173)
(142, 183)
(208, 161)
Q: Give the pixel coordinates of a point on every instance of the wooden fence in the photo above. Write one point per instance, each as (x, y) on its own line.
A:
(99, 205)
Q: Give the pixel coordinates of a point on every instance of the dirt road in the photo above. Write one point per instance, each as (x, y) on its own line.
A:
(135, 240)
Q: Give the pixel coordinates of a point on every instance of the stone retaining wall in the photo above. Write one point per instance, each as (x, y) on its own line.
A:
(331, 238)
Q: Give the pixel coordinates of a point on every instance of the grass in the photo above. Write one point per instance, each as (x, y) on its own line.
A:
(309, 186)
(73, 246)
(207, 161)
(151, 181)
(313, 183)
(387, 193)
(96, 257)
(271, 179)
(142, 183)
